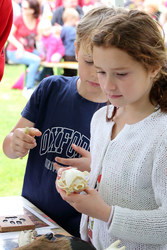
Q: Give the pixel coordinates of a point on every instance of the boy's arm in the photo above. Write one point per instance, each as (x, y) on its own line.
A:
(21, 139)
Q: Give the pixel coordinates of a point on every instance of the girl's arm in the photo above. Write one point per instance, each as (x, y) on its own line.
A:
(89, 203)
(21, 139)
(12, 38)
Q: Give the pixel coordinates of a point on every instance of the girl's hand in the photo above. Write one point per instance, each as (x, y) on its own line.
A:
(82, 163)
(89, 203)
(22, 140)
(55, 58)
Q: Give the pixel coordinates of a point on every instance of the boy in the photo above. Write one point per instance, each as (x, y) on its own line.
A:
(58, 114)
(68, 36)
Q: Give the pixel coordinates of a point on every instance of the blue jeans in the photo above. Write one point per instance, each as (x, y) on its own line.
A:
(32, 60)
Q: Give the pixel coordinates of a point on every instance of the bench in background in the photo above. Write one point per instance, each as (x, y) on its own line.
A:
(65, 65)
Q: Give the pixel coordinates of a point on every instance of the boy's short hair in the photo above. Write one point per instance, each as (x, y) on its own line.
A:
(88, 23)
(43, 24)
(70, 13)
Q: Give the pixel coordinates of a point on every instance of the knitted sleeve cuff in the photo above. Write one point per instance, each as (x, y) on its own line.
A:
(111, 217)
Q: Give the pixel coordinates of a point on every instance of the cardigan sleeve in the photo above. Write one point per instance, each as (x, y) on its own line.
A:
(147, 226)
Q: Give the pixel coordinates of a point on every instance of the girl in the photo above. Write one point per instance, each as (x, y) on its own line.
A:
(53, 49)
(129, 145)
(50, 46)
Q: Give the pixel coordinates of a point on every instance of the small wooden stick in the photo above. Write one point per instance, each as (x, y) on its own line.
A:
(27, 130)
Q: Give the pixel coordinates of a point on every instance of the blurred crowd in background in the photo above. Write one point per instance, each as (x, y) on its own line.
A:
(49, 8)
(44, 30)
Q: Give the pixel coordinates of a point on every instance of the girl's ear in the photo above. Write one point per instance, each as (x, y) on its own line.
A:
(155, 71)
(76, 51)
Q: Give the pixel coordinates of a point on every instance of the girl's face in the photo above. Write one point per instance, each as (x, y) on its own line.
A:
(123, 79)
(46, 31)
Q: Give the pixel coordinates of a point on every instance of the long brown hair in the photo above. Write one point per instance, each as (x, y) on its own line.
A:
(136, 33)
(35, 5)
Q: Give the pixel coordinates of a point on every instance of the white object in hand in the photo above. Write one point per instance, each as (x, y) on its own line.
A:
(114, 246)
(72, 180)
(26, 237)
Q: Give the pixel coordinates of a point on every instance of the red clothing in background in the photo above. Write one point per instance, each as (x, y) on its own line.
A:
(24, 35)
(60, 3)
(6, 19)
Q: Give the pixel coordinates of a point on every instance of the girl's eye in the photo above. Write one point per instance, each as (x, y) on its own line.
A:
(121, 74)
(100, 72)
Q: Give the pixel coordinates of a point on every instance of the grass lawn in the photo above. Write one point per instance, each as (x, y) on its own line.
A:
(11, 105)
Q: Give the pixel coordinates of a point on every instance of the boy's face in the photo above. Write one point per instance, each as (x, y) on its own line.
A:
(89, 84)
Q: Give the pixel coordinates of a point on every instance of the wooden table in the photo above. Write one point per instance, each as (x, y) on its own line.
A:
(17, 205)
(65, 65)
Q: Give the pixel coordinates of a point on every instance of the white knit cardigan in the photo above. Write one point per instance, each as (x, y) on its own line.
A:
(134, 180)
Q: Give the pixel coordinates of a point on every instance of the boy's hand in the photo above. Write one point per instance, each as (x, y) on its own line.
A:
(82, 163)
(23, 140)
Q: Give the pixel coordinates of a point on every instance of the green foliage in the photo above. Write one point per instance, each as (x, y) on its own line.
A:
(11, 105)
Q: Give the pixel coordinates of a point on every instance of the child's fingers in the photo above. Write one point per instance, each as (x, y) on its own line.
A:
(75, 162)
(67, 161)
(33, 131)
(116, 243)
(24, 140)
(83, 152)
(57, 167)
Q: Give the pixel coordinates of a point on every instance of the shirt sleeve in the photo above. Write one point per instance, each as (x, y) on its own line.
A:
(30, 111)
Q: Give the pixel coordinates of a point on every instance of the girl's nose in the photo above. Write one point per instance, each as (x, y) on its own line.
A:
(109, 84)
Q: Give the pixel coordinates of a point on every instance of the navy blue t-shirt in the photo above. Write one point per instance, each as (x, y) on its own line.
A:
(63, 117)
